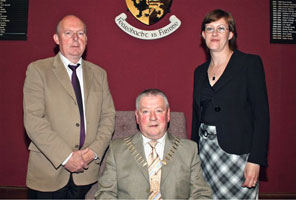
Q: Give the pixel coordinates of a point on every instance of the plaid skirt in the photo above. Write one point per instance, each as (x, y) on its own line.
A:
(223, 171)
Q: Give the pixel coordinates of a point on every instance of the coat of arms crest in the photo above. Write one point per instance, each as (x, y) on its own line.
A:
(148, 11)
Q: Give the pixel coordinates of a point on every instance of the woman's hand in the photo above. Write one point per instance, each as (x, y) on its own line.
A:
(251, 174)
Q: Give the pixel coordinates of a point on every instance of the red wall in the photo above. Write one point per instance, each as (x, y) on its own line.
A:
(134, 65)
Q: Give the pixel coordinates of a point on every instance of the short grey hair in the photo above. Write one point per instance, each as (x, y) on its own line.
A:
(151, 92)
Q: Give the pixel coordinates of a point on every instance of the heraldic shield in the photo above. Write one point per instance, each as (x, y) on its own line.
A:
(149, 11)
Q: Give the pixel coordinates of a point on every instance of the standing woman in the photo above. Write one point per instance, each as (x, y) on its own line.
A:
(230, 112)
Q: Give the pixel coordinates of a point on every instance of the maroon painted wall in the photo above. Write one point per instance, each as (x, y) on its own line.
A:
(134, 65)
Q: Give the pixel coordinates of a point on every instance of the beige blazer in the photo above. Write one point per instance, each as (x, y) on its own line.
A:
(126, 172)
(51, 119)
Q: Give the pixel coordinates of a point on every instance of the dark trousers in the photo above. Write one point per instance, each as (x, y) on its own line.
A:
(70, 191)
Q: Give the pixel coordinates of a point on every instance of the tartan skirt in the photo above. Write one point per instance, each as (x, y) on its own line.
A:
(224, 172)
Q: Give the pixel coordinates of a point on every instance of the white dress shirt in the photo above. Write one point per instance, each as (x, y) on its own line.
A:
(159, 146)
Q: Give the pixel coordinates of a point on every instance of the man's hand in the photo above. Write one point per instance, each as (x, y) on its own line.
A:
(251, 174)
(88, 156)
(76, 163)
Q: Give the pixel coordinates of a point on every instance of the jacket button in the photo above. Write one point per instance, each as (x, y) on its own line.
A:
(76, 146)
(77, 124)
(217, 109)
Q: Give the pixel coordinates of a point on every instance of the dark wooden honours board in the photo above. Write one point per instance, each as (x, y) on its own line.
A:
(13, 19)
(283, 21)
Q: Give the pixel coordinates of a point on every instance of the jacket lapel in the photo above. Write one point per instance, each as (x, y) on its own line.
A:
(228, 73)
(171, 145)
(87, 80)
(139, 155)
(62, 76)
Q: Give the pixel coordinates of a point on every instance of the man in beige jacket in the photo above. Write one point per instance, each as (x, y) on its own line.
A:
(68, 136)
(129, 174)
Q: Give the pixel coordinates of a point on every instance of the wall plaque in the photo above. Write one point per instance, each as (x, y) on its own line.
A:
(149, 13)
(13, 19)
(283, 21)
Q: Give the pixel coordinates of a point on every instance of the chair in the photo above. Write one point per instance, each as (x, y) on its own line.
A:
(125, 125)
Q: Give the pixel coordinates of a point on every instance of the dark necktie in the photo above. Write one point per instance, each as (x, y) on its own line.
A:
(76, 86)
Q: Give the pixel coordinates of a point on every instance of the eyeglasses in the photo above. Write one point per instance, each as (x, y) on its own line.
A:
(220, 29)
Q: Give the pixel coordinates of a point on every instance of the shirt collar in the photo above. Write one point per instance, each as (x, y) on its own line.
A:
(67, 61)
(160, 140)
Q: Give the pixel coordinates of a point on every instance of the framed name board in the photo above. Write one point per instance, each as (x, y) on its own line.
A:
(13, 19)
(283, 21)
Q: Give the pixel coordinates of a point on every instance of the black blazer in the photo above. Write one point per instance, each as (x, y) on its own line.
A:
(241, 107)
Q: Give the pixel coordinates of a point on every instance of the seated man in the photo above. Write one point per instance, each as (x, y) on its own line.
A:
(152, 164)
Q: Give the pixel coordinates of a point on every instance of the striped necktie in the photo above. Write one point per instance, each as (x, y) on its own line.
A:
(154, 169)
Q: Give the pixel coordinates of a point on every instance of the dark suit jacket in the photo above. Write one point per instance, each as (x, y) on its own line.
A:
(126, 173)
(51, 119)
(241, 106)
